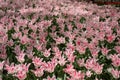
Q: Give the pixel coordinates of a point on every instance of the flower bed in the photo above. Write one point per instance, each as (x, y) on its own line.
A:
(59, 40)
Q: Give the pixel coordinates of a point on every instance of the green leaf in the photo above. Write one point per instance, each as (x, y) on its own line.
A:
(31, 76)
(62, 46)
(11, 55)
(10, 32)
(102, 19)
(82, 20)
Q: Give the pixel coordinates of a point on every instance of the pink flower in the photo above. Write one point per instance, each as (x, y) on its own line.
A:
(92, 64)
(21, 75)
(62, 60)
(115, 73)
(100, 35)
(91, 46)
(42, 39)
(96, 78)
(16, 35)
(24, 39)
(57, 52)
(81, 49)
(47, 53)
(77, 75)
(2, 31)
(37, 61)
(10, 43)
(50, 78)
(22, 67)
(50, 66)
(71, 36)
(105, 51)
(38, 47)
(71, 58)
(80, 62)
(115, 60)
(68, 52)
(110, 38)
(17, 49)
(73, 73)
(70, 78)
(3, 55)
(30, 55)
(71, 46)
(94, 52)
(98, 68)
(70, 55)
(60, 40)
(19, 70)
(1, 65)
(20, 57)
(69, 69)
(25, 67)
(38, 72)
(10, 69)
(78, 42)
(117, 48)
(4, 39)
(88, 73)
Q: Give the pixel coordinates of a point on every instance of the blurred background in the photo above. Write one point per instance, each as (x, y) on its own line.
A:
(104, 2)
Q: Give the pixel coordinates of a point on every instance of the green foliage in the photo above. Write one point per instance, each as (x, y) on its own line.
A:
(82, 20)
(10, 32)
(11, 55)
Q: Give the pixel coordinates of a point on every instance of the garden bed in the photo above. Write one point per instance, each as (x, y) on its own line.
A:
(59, 40)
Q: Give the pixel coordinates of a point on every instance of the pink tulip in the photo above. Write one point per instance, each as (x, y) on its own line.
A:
(1, 65)
(37, 61)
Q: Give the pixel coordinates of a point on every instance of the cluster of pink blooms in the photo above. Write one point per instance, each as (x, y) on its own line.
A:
(59, 40)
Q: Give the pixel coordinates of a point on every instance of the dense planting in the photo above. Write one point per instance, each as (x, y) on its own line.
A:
(59, 40)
